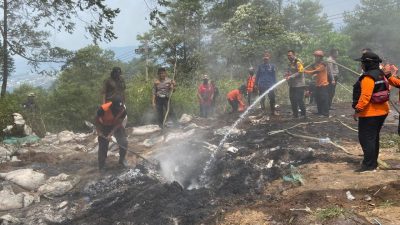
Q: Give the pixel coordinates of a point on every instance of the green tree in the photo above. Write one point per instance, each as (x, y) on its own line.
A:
(374, 24)
(177, 36)
(22, 20)
(77, 92)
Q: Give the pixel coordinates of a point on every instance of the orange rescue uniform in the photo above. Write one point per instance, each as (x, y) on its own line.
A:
(236, 95)
(322, 74)
(364, 106)
(251, 80)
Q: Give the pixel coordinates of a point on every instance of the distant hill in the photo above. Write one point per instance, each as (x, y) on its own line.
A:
(24, 75)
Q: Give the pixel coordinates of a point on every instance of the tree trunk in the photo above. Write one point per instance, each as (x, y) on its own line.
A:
(5, 52)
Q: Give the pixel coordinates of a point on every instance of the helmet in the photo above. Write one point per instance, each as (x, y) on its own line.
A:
(318, 53)
(205, 77)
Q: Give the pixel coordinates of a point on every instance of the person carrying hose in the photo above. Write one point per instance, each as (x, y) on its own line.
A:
(235, 99)
(370, 102)
(295, 78)
(322, 85)
(108, 122)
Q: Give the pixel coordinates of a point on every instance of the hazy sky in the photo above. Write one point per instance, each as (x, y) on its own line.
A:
(133, 20)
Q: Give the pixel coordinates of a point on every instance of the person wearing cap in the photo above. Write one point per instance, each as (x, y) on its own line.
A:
(370, 102)
(295, 77)
(320, 72)
(235, 99)
(333, 72)
(251, 80)
(205, 94)
(162, 90)
(114, 86)
(215, 96)
(265, 79)
(108, 123)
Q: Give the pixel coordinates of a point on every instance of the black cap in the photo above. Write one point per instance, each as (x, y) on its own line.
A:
(117, 102)
(369, 57)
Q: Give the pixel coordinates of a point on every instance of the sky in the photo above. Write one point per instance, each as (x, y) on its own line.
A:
(134, 19)
(131, 21)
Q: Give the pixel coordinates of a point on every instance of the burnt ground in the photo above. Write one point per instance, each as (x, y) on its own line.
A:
(243, 187)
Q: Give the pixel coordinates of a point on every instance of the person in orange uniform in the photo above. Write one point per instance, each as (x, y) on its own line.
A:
(391, 74)
(370, 108)
(235, 99)
(322, 85)
(251, 80)
(205, 94)
(108, 122)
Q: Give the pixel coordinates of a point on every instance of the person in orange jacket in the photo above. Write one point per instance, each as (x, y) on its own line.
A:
(235, 99)
(320, 71)
(370, 102)
(108, 122)
(390, 71)
(251, 81)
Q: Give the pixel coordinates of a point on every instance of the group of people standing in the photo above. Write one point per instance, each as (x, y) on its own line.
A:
(324, 74)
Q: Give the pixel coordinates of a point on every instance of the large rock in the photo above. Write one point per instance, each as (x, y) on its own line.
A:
(8, 219)
(185, 118)
(146, 129)
(5, 154)
(26, 178)
(58, 185)
(65, 136)
(179, 135)
(10, 200)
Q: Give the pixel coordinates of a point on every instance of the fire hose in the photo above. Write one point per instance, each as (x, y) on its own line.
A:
(155, 164)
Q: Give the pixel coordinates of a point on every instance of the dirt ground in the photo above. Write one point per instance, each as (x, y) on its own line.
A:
(273, 178)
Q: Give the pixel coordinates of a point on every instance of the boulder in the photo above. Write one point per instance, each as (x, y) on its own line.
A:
(26, 178)
(65, 136)
(10, 200)
(146, 129)
(58, 185)
(179, 135)
(8, 219)
(152, 141)
(185, 118)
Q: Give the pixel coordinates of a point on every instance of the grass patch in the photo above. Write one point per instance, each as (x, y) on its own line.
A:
(387, 204)
(389, 141)
(329, 213)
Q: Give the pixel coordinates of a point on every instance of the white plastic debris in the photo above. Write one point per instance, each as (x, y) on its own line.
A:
(270, 164)
(58, 185)
(275, 148)
(185, 118)
(62, 205)
(349, 196)
(232, 149)
(367, 198)
(26, 178)
(146, 129)
(324, 141)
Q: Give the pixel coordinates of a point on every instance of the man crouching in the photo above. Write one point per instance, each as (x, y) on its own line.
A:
(108, 123)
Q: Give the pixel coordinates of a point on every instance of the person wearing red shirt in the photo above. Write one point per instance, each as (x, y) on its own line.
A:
(205, 94)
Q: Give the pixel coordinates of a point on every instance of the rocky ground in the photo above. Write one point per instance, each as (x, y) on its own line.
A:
(263, 174)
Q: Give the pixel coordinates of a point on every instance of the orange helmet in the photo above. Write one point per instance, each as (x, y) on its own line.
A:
(318, 53)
